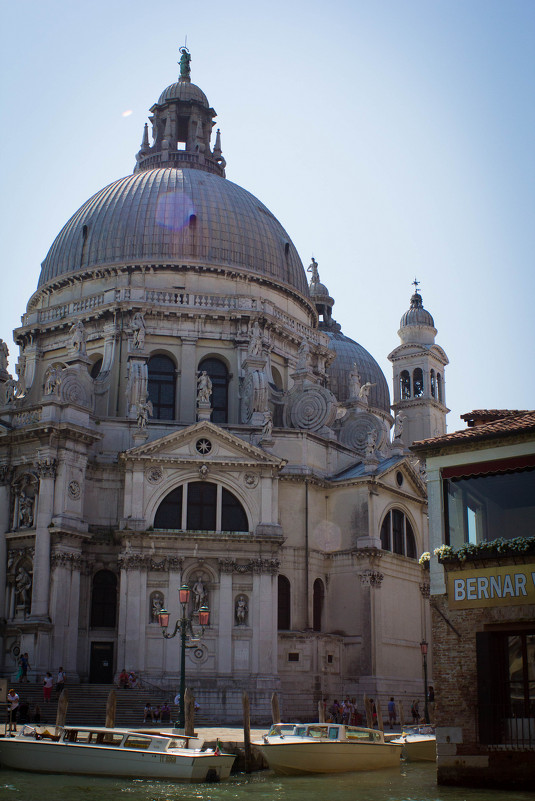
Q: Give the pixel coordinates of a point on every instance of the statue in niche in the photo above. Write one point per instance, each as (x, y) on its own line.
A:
(204, 388)
(156, 605)
(365, 390)
(241, 610)
(200, 594)
(255, 343)
(25, 510)
(23, 585)
(4, 353)
(139, 331)
(52, 380)
(313, 268)
(354, 381)
(143, 412)
(303, 356)
(77, 334)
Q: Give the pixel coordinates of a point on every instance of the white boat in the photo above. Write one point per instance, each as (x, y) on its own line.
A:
(98, 751)
(419, 743)
(326, 748)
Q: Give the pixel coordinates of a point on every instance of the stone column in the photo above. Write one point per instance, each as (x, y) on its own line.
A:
(65, 609)
(5, 475)
(264, 654)
(132, 608)
(46, 468)
(188, 382)
(224, 638)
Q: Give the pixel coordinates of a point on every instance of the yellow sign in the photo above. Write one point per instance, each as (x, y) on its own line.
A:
(492, 586)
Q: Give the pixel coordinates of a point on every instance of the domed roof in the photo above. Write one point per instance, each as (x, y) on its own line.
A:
(417, 315)
(349, 353)
(184, 91)
(179, 216)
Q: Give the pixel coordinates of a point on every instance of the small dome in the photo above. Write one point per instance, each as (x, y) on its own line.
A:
(417, 315)
(318, 290)
(349, 353)
(184, 91)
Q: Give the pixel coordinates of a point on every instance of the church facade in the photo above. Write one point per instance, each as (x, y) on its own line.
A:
(187, 410)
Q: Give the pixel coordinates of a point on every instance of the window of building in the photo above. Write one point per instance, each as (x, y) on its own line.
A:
(95, 369)
(418, 382)
(397, 534)
(483, 505)
(439, 387)
(283, 606)
(433, 382)
(293, 656)
(209, 507)
(162, 387)
(104, 600)
(219, 377)
(506, 687)
(405, 385)
(318, 597)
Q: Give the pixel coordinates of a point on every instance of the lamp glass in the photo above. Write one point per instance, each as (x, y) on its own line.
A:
(423, 647)
(163, 618)
(204, 616)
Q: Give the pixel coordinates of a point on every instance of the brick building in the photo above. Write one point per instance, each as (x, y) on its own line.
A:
(481, 486)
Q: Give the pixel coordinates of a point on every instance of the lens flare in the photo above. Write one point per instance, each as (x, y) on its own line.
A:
(127, 113)
(175, 210)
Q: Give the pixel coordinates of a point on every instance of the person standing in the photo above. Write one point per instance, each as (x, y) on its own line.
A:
(60, 681)
(48, 683)
(25, 665)
(13, 709)
(392, 712)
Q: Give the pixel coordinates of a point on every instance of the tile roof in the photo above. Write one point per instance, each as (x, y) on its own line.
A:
(508, 425)
(478, 416)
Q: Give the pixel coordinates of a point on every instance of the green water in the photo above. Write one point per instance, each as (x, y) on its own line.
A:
(410, 782)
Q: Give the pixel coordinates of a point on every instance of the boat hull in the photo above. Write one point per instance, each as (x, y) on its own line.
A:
(329, 757)
(424, 750)
(47, 757)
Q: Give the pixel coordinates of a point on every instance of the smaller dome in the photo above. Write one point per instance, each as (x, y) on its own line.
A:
(350, 353)
(416, 315)
(318, 290)
(184, 91)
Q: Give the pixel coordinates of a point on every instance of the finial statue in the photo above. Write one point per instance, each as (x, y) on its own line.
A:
(303, 356)
(4, 353)
(204, 388)
(365, 390)
(184, 62)
(313, 268)
(398, 426)
(143, 412)
(354, 381)
(138, 331)
(255, 343)
(77, 334)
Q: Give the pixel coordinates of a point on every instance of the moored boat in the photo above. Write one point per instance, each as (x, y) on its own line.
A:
(98, 751)
(327, 748)
(419, 743)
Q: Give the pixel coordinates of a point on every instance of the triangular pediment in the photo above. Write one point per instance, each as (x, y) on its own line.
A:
(412, 480)
(203, 442)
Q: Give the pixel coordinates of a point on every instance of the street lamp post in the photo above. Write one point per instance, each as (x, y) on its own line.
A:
(423, 648)
(184, 625)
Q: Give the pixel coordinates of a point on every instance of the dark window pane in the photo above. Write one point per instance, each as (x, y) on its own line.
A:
(104, 600)
(411, 542)
(284, 596)
(161, 387)
(397, 531)
(202, 496)
(233, 517)
(218, 373)
(385, 534)
(169, 513)
(317, 605)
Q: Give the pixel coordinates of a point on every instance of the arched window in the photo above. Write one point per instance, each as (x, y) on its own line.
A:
(433, 382)
(405, 385)
(104, 600)
(397, 534)
(162, 389)
(317, 605)
(203, 513)
(439, 387)
(283, 606)
(218, 373)
(418, 382)
(95, 369)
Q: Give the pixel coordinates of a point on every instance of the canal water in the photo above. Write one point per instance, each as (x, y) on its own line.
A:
(410, 782)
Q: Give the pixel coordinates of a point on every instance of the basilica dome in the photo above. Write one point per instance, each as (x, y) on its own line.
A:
(175, 215)
(350, 353)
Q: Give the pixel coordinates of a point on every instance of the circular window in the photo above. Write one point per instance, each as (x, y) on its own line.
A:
(203, 446)
(399, 478)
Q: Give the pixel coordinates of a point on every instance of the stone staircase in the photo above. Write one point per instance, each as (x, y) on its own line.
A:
(87, 704)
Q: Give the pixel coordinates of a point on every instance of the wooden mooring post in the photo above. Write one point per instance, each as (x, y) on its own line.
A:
(246, 732)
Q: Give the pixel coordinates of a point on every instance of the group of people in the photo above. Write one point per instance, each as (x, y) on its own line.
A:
(343, 712)
(48, 684)
(161, 713)
(128, 680)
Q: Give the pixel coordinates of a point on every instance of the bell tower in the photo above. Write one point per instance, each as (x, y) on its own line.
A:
(419, 383)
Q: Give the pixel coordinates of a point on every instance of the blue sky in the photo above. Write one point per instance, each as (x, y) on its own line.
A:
(392, 139)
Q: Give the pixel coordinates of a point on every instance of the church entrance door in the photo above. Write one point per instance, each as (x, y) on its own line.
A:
(101, 665)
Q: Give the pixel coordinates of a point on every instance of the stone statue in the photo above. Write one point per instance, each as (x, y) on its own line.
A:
(267, 428)
(138, 328)
(354, 381)
(143, 412)
(184, 62)
(364, 391)
(204, 388)
(255, 343)
(77, 334)
(25, 510)
(4, 353)
(199, 594)
(371, 439)
(156, 605)
(11, 388)
(52, 380)
(313, 268)
(398, 426)
(23, 584)
(303, 356)
(240, 610)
